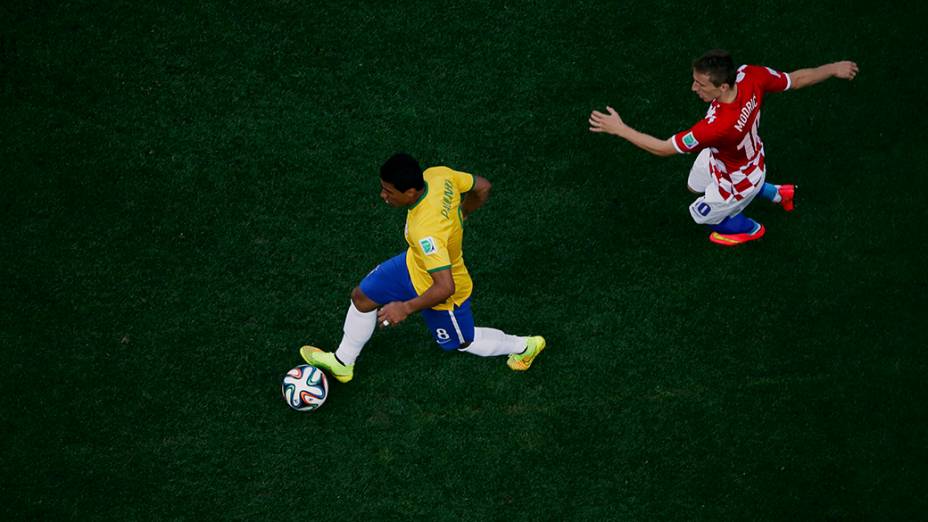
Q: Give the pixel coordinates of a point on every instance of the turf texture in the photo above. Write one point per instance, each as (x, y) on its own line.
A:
(190, 193)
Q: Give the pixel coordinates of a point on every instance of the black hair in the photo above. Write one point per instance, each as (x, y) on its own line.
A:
(403, 172)
(719, 65)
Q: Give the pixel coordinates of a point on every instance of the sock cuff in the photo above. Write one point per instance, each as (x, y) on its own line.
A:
(737, 224)
(354, 309)
(769, 191)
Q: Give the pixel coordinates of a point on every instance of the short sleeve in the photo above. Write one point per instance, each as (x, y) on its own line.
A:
(770, 79)
(463, 181)
(697, 137)
(431, 253)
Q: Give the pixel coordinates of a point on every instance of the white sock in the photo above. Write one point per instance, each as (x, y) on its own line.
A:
(489, 342)
(777, 198)
(359, 327)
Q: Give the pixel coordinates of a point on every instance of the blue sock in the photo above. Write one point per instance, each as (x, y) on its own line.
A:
(737, 224)
(769, 192)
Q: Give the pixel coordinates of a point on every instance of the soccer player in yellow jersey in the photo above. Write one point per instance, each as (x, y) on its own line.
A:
(429, 277)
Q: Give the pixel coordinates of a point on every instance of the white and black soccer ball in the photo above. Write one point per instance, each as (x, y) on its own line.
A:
(305, 388)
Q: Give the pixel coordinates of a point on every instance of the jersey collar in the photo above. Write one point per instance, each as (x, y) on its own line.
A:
(424, 193)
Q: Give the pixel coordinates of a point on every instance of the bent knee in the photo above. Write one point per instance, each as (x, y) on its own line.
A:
(361, 301)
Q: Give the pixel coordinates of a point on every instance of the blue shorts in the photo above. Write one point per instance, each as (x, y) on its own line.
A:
(390, 281)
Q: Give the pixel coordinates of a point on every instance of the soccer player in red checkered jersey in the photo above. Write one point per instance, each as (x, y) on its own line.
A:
(730, 168)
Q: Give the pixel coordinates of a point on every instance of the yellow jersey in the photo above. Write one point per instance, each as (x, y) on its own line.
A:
(435, 233)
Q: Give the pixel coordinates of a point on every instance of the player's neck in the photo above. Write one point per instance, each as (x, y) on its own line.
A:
(417, 197)
(729, 96)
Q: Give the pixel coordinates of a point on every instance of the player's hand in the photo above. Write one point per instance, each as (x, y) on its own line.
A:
(392, 314)
(845, 70)
(609, 123)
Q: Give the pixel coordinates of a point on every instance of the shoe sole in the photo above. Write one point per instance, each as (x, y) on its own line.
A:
(728, 241)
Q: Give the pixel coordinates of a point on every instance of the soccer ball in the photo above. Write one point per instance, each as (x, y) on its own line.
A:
(305, 388)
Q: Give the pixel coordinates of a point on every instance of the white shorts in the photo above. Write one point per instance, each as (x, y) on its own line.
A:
(711, 208)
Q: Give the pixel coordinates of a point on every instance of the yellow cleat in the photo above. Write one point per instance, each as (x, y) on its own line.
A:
(521, 361)
(328, 362)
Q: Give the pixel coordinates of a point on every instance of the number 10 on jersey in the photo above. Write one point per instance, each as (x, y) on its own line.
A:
(751, 142)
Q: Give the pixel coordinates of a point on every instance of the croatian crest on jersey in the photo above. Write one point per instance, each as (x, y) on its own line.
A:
(427, 245)
(710, 113)
(689, 141)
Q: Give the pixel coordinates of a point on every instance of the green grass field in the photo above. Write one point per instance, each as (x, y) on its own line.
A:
(190, 193)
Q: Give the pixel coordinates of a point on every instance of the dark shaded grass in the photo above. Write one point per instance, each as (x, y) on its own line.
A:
(190, 194)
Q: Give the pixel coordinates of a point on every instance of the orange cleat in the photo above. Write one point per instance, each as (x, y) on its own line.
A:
(787, 193)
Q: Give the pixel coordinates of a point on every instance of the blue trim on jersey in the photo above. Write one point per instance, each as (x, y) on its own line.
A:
(390, 281)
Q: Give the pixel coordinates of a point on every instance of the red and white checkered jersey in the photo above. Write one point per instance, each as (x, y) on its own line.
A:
(729, 130)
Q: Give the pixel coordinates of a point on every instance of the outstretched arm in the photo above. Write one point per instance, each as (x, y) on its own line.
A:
(612, 124)
(805, 77)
